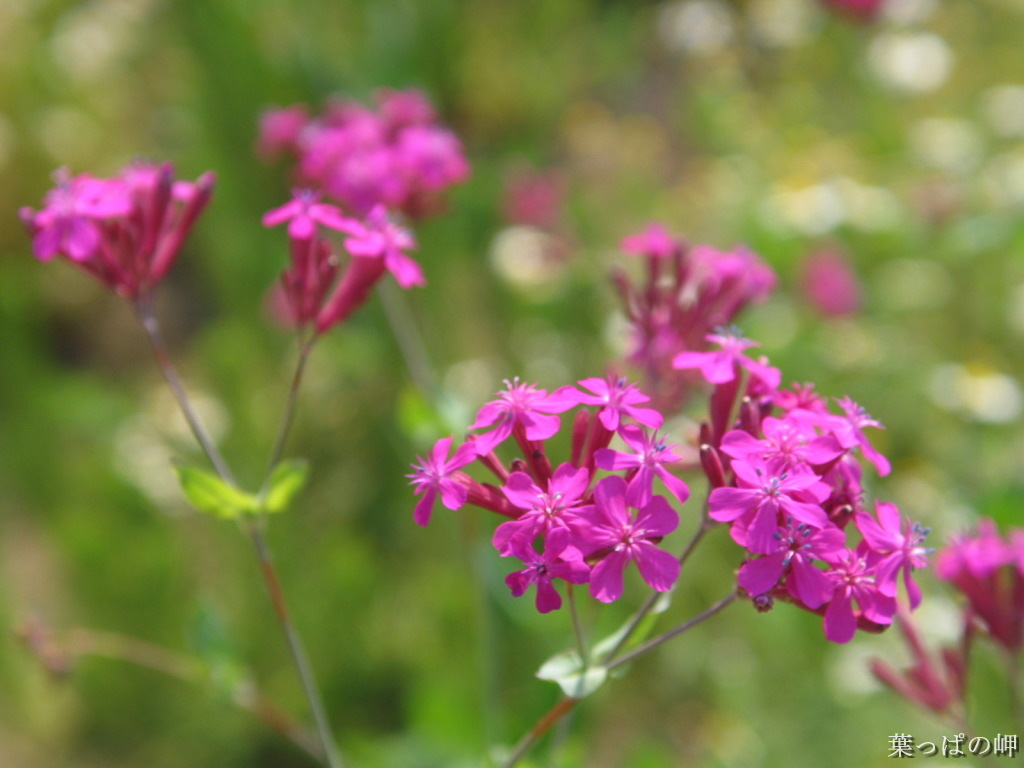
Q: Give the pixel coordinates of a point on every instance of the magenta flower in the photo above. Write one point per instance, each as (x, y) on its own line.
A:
(795, 549)
(617, 398)
(896, 544)
(435, 475)
(431, 157)
(648, 459)
(559, 561)
(69, 224)
(765, 491)
(787, 440)
(830, 284)
(544, 510)
(401, 108)
(520, 404)
(125, 231)
(280, 129)
(849, 430)
(989, 571)
(655, 241)
(854, 581)
(304, 212)
(379, 238)
(723, 366)
(612, 528)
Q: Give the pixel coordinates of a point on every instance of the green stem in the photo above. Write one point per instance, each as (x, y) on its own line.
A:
(288, 416)
(144, 311)
(252, 529)
(295, 645)
(566, 704)
(651, 601)
(87, 642)
(664, 638)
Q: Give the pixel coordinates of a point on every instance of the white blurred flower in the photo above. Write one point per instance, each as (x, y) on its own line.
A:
(695, 26)
(916, 62)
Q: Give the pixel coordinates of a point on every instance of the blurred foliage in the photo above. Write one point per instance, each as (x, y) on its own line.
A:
(771, 122)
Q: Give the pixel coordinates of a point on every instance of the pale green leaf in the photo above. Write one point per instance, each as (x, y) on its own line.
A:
(209, 493)
(287, 479)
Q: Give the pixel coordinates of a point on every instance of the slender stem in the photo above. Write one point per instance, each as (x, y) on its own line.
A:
(542, 726)
(663, 638)
(565, 705)
(288, 416)
(252, 528)
(295, 646)
(653, 598)
(87, 642)
(577, 628)
(147, 319)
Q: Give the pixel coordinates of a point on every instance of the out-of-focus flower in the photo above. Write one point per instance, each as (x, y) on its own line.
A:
(397, 156)
(124, 231)
(830, 284)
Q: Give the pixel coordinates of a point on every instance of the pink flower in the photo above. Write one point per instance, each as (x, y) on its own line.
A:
(849, 430)
(520, 404)
(379, 238)
(795, 547)
(545, 510)
(559, 561)
(617, 398)
(124, 231)
(304, 212)
(69, 224)
(722, 366)
(280, 129)
(401, 108)
(830, 284)
(989, 571)
(654, 241)
(766, 491)
(435, 475)
(612, 527)
(788, 440)
(431, 157)
(896, 544)
(854, 581)
(649, 457)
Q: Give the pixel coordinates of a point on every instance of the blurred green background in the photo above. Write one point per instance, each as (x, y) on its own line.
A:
(773, 122)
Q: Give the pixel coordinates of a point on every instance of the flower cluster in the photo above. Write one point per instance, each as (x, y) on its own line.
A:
(314, 294)
(588, 528)
(989, 571)
(687, 292)
(787, 480)
(397, 156)
(125, 231)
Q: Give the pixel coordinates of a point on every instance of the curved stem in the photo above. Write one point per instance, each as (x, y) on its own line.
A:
(87, 642)
(565, 705)
(663, 638)
(288, 416)
(531, 737)
(295, 646)
(144, 311)
(252, 528)
(651, 601)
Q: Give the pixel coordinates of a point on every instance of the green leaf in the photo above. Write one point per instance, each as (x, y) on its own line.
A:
(208, 493)
(287, 479)
(575, 679)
